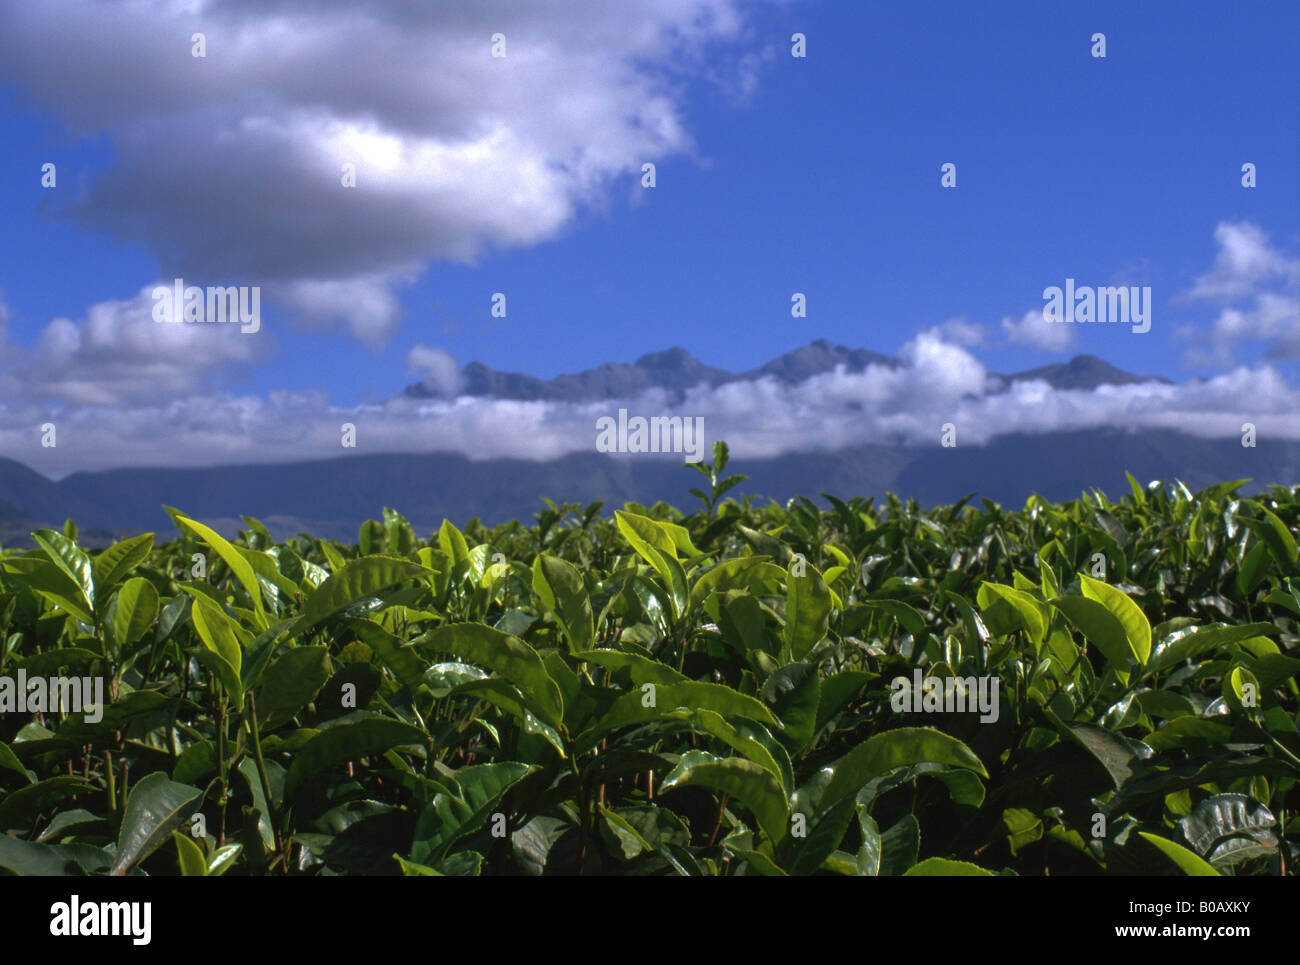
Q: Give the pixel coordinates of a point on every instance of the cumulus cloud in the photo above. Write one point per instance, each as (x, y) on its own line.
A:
(960, 332)
(437, 368)
(454, 151)
(1036, 332)
(119, 355)
(1244, 260)
(1257, 289)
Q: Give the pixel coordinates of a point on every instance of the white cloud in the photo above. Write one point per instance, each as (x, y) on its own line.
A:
(960, 332)
(1256, 286)
(938, 383)
(1035, 331)
(438, 369)
(118, 355)
(1245, 259)
(366, 305)
(228, 168)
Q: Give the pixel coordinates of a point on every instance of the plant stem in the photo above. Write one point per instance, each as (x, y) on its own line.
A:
(722, 808)
(112, 783)
(251, 717)
(221, 769)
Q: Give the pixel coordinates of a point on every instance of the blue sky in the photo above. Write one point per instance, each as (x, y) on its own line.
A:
(775, 175)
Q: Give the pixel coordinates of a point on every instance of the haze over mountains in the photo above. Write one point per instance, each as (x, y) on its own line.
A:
(334, 496)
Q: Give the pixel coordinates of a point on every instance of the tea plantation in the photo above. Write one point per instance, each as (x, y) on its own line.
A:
(1094, 687)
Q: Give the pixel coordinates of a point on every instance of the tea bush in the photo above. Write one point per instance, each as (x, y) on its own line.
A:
(730, 691)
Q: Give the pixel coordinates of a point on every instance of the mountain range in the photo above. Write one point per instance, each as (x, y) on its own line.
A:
(333, 497)
(676, 370)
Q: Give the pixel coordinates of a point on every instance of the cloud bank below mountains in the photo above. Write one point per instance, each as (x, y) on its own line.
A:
(939, 382)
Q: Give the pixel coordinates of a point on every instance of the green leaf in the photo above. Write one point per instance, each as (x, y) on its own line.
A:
(795, 691)
(449, 818)
(1024, 827)
(747, 745)
(633, 830)
(275, 777)
(1188, 863)
(823, 833)
(836, 691)
(506, 655)
(9, 761)
(641, 669)
(452, 542)
(1273, 532)
(559, 586)
(885, 752)
(1227, 828)
(118, 560)
(1130, 616)
(358, 580)
(691, 695)
(1098, 625)
(1191, 642)
(402, 659)
(907, 617)
(1119, 755)
(218, 635)
(751, 573)
(290, 683)
(681, 538)
(348, 742)
(807, 610)
(52, 583)
(900, 846)
(137, 608)
(747, 782)
(656, 547)
(946, 868)
(20, 807)
(242, 569)
(1253, 569)
(1032, 614)
(38, 860)
(867, 860)
(1240, 683)
(189, 856)
(760, 862)
(155, 807)
(413, 869)
(68, 557)
(222, 859)
(642, 531)
(265, 566)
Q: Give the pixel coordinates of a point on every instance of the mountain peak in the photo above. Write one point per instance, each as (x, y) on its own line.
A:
(817, 357)
(675, 356)
(1082, 372)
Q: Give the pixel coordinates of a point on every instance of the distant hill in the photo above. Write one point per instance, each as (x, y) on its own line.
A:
(333, 497)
